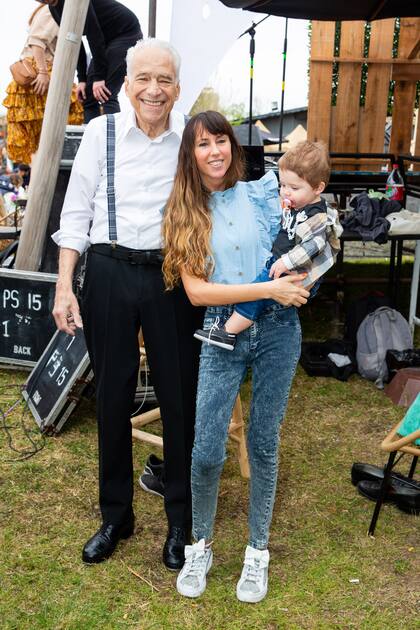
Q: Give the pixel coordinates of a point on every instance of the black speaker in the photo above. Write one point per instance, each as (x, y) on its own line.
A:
(72, 138)
(255, 167)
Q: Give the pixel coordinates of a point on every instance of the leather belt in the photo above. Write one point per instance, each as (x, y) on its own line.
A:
(132, 256)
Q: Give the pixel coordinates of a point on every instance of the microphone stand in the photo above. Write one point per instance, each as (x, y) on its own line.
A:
(283, 85)
(251, 31)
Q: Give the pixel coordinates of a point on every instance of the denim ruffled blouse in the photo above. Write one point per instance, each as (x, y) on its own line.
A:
(246, 220)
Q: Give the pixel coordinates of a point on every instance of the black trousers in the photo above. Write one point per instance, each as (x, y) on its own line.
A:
(119, 297)
(116, 51)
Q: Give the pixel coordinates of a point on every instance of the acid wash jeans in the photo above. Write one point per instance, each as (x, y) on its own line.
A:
(271, 348)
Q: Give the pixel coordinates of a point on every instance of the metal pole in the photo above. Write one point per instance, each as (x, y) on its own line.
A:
(251, 79)
(152, 18)
(251, 31)
(283, 85)
(47, 161)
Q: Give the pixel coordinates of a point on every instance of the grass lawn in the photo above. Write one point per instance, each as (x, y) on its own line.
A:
(324, 572)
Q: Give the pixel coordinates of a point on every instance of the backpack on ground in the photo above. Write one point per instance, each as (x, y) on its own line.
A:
(357, 311)
(384, 329)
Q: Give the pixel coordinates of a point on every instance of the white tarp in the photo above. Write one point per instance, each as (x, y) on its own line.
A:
(202, 31)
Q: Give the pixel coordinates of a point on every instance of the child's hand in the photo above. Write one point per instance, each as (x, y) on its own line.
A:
(277, 269)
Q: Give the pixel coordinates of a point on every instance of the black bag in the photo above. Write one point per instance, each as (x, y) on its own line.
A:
(399, 359)
(315, 361)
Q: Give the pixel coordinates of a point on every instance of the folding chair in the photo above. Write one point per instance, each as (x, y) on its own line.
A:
(393, 444)
(236, 426)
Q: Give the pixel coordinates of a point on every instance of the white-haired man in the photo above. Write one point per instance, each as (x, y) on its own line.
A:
(123, 290)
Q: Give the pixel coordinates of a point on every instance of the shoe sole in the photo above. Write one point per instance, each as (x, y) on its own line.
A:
(87, 560)
(148, 471)
(214, 343)
(405, 505)
(249, 599)
(387, 498)
(146, 489)
(201, 591)
(172, 568)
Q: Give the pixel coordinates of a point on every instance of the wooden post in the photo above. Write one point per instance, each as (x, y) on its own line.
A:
(47, 162)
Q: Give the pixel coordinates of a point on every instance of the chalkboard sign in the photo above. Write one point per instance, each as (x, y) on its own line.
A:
(56, 383)
(26, 322)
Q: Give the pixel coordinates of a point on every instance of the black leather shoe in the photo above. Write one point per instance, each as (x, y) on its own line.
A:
(103, 543)
(405, 495)
(360, 472)
(173, 550)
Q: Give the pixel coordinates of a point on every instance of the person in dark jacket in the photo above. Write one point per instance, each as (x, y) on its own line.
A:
(111, 29)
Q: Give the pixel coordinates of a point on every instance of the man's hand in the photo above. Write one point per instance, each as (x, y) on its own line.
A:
(100, 91)
(41, 83)
(66, 310)
(81, 91)
(278, 268)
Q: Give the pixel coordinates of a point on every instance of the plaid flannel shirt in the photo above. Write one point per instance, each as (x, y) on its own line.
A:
(317, 245)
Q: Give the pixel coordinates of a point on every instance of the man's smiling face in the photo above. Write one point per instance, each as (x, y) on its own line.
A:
(152, 88)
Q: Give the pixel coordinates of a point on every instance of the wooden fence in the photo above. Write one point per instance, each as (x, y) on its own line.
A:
(348, 126)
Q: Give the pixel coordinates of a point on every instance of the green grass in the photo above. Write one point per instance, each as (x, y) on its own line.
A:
(48, 508)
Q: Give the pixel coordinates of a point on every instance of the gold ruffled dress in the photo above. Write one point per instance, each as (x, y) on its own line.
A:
(25, 109)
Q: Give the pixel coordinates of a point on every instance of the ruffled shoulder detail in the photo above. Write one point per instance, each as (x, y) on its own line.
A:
(264, 195)
(267, 186)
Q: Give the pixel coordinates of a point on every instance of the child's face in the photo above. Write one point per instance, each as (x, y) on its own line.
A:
(297, 190)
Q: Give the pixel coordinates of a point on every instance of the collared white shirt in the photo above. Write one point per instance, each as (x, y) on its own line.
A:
(144, 174)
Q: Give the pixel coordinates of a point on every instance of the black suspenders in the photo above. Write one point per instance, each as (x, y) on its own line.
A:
(110, 175)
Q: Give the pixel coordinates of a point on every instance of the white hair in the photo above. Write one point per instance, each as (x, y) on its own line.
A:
(152, 42)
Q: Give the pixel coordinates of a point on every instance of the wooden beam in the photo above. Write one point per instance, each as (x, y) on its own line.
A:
(373, 113)
(404, 91)
(47, 161)
(149, 438)
(415, 51)
(369, 60)
(348, 96)
(406, 73)
(320, 82)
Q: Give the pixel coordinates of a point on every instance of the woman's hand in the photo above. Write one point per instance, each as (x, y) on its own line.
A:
(41, 83)
(288, 290)
(81, 91)
(100, 91)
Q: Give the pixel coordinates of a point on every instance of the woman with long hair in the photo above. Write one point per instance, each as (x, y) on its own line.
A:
(26, 104)
(218, 232)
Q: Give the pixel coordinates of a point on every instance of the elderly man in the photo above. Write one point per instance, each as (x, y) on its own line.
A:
(123, 290)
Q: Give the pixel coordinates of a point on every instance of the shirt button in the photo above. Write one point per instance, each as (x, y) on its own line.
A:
(230, 223)
(240, 273)
(237, 247)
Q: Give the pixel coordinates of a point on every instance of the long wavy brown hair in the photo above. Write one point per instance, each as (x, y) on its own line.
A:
(187, 221)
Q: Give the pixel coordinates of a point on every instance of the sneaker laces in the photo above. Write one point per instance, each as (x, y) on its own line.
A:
(213, 327)
(252, 575)
(196, 557)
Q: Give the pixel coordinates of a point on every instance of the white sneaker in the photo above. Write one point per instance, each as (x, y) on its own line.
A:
(191, 580)
(253, 583)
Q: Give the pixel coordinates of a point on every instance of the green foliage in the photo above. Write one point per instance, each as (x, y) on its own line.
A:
(209, 99)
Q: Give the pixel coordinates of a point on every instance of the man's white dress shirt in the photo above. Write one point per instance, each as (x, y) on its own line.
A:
(144, 174)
